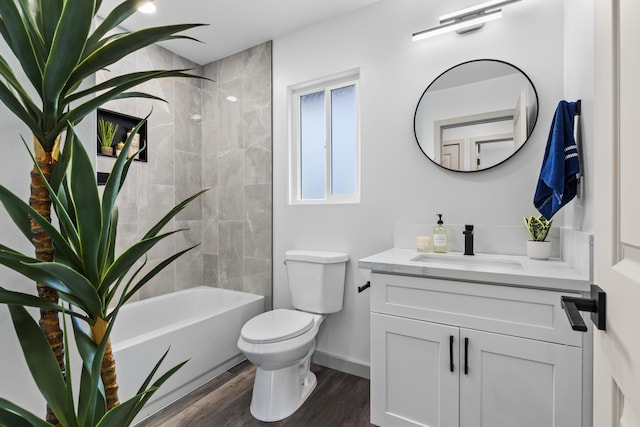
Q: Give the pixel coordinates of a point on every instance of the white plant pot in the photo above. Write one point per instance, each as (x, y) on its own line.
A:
(538, 250)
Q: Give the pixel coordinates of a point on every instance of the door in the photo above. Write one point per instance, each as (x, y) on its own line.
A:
(451, 154)
(412, 383)
(616, 389)
(508, 381)
(520, 125)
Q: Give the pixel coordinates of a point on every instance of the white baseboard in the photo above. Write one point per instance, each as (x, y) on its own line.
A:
(341, 364)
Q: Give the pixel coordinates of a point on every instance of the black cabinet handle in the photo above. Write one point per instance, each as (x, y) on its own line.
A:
(466, 356)
(451, 353)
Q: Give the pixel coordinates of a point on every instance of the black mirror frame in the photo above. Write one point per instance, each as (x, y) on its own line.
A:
(458, 65)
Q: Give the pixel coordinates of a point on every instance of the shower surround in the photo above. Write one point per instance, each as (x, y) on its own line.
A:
(210, 134)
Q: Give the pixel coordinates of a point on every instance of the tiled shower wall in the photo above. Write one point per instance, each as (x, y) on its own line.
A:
(199, 139)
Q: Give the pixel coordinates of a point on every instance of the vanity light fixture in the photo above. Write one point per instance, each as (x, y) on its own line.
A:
(465, 20)
(148, 7)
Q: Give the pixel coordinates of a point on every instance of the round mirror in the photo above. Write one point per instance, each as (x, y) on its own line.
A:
(476, 115)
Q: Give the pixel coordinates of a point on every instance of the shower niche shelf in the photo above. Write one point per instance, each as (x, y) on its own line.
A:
(125, 124)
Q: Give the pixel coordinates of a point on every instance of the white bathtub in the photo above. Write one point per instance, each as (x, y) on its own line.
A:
(201, 325)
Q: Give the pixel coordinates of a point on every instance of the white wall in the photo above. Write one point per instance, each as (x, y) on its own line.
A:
(579, 84)
(399, 184)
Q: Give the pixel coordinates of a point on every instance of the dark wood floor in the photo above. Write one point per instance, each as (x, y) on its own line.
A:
(339, 400)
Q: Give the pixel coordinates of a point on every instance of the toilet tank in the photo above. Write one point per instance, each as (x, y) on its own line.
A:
(316, 280)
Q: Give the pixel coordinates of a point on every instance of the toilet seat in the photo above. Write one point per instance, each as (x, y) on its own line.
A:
(276, 325)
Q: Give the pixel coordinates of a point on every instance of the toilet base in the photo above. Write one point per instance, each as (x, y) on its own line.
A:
(279, 393)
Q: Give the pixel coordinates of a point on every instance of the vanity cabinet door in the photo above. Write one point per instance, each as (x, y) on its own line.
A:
(519, 382)
(412, 383)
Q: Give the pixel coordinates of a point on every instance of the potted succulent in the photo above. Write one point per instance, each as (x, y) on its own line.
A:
(106, 132)
(538, 227)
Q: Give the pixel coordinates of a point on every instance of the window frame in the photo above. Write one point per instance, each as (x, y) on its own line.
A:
(295, 93)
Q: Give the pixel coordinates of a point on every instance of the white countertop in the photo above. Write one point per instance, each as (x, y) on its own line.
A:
(508, 270)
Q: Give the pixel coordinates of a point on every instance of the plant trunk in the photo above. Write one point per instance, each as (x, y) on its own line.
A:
(108, 368)
(40, 200)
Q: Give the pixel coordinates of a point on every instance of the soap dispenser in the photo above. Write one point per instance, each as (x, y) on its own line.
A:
(440, 242)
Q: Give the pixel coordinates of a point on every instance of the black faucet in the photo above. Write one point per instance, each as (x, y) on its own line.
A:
(468, 239)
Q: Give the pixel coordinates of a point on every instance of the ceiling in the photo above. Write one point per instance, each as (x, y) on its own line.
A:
(234, 25)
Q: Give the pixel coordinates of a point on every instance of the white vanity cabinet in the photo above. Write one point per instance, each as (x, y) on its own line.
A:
(448, 353)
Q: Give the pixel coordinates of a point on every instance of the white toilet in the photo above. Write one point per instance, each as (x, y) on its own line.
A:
(280, 342)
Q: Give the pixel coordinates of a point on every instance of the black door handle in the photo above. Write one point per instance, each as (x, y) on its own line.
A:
(596, 305)
(451, 353)
(466, 356)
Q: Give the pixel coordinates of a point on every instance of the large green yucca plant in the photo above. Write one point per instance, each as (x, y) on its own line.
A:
(91, 278)
(58, 44)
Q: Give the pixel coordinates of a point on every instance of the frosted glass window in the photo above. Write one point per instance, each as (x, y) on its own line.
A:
(312, 146)
(325, 156)
(343, 140)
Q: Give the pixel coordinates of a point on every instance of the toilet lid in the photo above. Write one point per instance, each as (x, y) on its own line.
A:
(276, 325)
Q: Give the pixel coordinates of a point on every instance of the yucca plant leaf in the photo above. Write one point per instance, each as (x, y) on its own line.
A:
(66, 50)
(42, 365)
(47, 16)
(113, 19)
(17, 36)
(87, 206)
(128, 293)
(19, 217)
(157, 384)
(15, 416)
(96, 390)
(9, 99)
(129, 257)
(19, 210)
(149, 378)
(67, 362)
(118, 48)
(127, 81)
(12, 419)
(80, 111)
(91, 394)
(110, 194)
(25, 265)
(144, 394)
(28, 300)
(91, 406)
(75, 283)
(109, 292)
(173, 212)
(34, 32)
(7, 72)
(113, 232)
(118, 415)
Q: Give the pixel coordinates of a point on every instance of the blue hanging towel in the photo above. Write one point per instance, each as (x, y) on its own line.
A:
(558, 181)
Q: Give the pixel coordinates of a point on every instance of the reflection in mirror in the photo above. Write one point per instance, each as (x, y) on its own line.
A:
(476, 115)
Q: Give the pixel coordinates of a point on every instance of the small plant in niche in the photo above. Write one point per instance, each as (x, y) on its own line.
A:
(106, 132)
(538, 227)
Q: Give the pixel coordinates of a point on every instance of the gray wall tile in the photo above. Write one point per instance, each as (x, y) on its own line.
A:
(257, 276)
(228, 149)
(257, 221)
(230, 185)
(230, 260)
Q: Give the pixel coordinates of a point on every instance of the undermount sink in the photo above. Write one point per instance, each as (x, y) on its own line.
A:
(467, 261)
